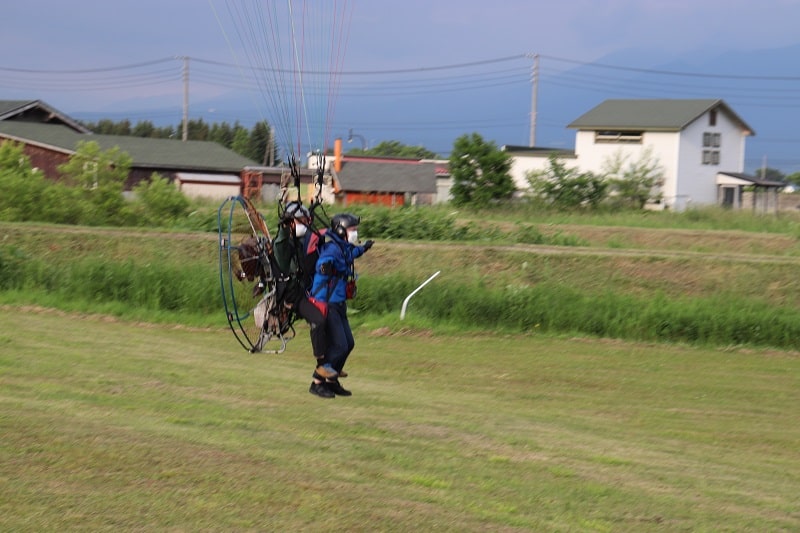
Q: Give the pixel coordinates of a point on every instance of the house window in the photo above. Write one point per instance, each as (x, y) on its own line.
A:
(711, 157)
(612, 136)
(711, 144)
(711, 140)
(712, 117)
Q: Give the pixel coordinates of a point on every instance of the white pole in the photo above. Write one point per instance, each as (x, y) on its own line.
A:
(185, 98)
(415, 291)
(534, 98)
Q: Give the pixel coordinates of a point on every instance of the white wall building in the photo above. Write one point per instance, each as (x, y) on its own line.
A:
(698, 144)
(525, 159)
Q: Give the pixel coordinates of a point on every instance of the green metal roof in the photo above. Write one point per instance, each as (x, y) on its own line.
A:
(652, 115)
(145, 152)
(37, 111)
(8, 107)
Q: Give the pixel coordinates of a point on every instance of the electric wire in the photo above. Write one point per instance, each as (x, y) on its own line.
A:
(258, 79)
(293, 51)
(264, 73)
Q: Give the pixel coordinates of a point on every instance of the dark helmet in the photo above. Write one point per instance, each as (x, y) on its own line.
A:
(342, 221)
(295, 210)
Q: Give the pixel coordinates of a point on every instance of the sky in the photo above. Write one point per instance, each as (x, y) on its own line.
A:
(83, 34)
(415, 38)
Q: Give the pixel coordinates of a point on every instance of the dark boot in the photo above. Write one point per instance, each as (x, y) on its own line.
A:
(321, 390)
(336, 388)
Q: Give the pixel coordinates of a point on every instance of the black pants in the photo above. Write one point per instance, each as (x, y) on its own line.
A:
(316, 321)
(340, 336)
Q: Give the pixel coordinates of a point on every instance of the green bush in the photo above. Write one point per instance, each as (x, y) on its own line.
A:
(22, 187)
(159, 202)
(410, 223)
(90, 193)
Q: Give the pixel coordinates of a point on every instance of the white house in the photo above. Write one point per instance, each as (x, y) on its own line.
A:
(526, 159)
(699, 145)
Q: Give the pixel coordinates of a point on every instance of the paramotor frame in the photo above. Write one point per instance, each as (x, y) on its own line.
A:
(249, 279)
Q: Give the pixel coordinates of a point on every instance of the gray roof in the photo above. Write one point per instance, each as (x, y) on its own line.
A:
(145, 152)
(385, 176)
(9, 108)
(38, 111)
(652, 115)
(537, 151)
(755, 180)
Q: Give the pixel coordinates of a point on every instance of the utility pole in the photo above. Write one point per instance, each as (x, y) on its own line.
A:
(185, 98)
(269, 153)
(534, 97)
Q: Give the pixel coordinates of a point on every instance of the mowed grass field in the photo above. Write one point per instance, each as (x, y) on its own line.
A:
(110, 425)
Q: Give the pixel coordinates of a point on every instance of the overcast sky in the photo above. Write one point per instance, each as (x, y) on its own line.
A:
(51, 35)
(86, 33)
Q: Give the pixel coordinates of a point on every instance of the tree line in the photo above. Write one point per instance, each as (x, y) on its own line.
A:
(253, 143)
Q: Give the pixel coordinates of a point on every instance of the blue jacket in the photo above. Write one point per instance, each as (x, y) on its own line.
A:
(338, 256)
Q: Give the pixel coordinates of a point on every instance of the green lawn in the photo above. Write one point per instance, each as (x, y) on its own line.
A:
(121, 426)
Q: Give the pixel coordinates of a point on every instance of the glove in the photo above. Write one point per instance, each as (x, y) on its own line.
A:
(368, 244)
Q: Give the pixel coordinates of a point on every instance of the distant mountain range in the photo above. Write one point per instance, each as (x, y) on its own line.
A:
(761, 86)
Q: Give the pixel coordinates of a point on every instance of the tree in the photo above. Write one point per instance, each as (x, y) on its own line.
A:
(104, 126)
(793, 178)
(222, 134)
(258, 142)
(480, 172)
(100, 177)
(770, 174)
(123, 127)
(241, 141)
(396, 149)
(566, 188)
(144, 128)
(159, 201)
(634, 183)
(28, 195)
(196, 130)
(249, 143)
(20, 183)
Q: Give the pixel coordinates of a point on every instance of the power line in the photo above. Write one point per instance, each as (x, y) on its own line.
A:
(371, 86)
(91, 70)
(390, 71)
(674, 73)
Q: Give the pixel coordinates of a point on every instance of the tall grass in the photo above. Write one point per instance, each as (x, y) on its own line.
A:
(192, 288)
(152, 286)
(718, 320)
